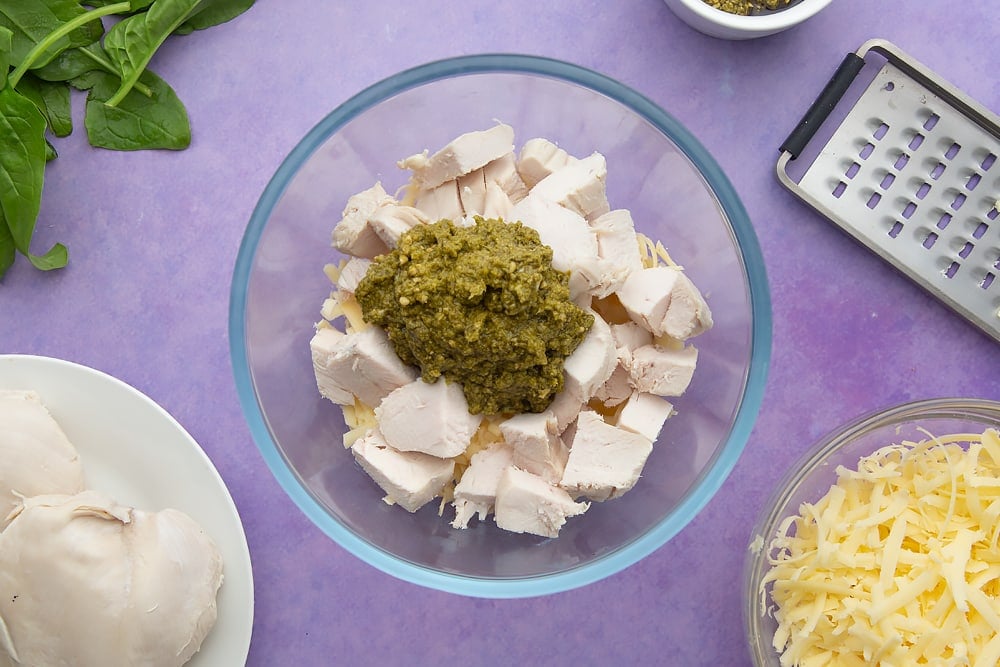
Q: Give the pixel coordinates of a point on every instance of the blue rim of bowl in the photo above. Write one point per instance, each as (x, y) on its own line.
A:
(749, 406)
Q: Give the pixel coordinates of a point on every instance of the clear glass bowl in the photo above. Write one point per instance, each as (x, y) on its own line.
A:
(814, 473)
(676, 193)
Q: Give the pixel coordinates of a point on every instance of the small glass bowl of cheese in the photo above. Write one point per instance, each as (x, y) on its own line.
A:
(881, 545)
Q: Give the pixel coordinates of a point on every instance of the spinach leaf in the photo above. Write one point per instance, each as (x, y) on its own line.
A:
(6, 246)
(52, 99)
(22, 174)
(50, 151)
(31, 21)
(5, 39)
(214, 12)
(71, 63)
(138, 122)
(132, 42)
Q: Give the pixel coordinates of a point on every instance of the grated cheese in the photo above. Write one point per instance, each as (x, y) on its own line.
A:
(897, 564)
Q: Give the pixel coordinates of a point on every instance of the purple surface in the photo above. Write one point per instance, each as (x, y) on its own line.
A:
(153, 238)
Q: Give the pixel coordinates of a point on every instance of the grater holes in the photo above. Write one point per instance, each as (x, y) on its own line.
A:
(931, 121)
(987, 281)
(966, 249)
(838, 190)
(951, 270)
(896, 229)
(852, 170)
(866, 150)
(880, 131)
(979, 231)
(944, 220)
(916, 141)
(930, 240)
(937, 170)
(923, 190)
(887, 181)
(988, 161)
(973, 181)
(952, 151)
(992, 213)
(901, 161)
(873, 200)
(958, 201)
(909, 210)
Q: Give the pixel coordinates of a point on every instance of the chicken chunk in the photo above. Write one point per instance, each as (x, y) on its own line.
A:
(391, 222)
(534, 439)
(354, 234)
(604, 461)
(592, 362)
(440, 203)
(578, 186)
(476, 492)
(353, 272)
(464, 154)
(539, 158)
(663, 371)
(503, 173)
(617, 389)
(618, 246)
(645, 414)
(526, 503)
(361, 364)
(565, 231)
(409, 479)
(36, 457)
(429, 418)
(665, 301)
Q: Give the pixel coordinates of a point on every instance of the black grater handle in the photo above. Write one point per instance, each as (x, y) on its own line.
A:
(823, 105)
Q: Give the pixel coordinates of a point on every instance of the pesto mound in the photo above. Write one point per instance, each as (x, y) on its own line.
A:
(480, 305)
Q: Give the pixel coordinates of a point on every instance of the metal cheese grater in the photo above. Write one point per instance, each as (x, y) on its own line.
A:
(912, 171)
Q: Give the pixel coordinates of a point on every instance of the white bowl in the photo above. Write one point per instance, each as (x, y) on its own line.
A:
(717, 23)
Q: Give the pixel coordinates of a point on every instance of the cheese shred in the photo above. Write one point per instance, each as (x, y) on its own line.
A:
(897, 564)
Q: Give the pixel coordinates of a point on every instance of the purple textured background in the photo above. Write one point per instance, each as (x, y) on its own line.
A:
(153, 237)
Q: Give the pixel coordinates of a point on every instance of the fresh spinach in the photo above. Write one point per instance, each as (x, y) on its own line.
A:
(52, 99)
(138, 122)
(132, 42)
(31, 21)
(49, 46)
(22, 173)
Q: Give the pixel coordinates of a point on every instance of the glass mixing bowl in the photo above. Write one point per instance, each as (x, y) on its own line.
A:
(814, 473)
(676, 193)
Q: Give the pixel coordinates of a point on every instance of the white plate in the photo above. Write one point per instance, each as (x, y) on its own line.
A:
(136, 452)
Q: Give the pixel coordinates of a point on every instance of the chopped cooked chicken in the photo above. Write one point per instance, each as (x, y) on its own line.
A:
(361, 364)
(565, 231)
(353, 272)
(354, 234)
(462, 155)
(604, 461)
(503, 173)
(391, 222)
(476, 492)
(526, 503)
(85, 581)
(36, 457)
(429, 418)
(578, 186)
(409, 479)
(645, 414)
(665, 301)
(440, 203)
(537, 448)
(591, 363)
(663, 371)
(539, 158)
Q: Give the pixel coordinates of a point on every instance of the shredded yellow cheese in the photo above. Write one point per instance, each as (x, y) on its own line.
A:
(652, 253)
(897, 564)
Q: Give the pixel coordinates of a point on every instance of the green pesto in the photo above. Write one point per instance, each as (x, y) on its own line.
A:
(480, 305)
(747, 7)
